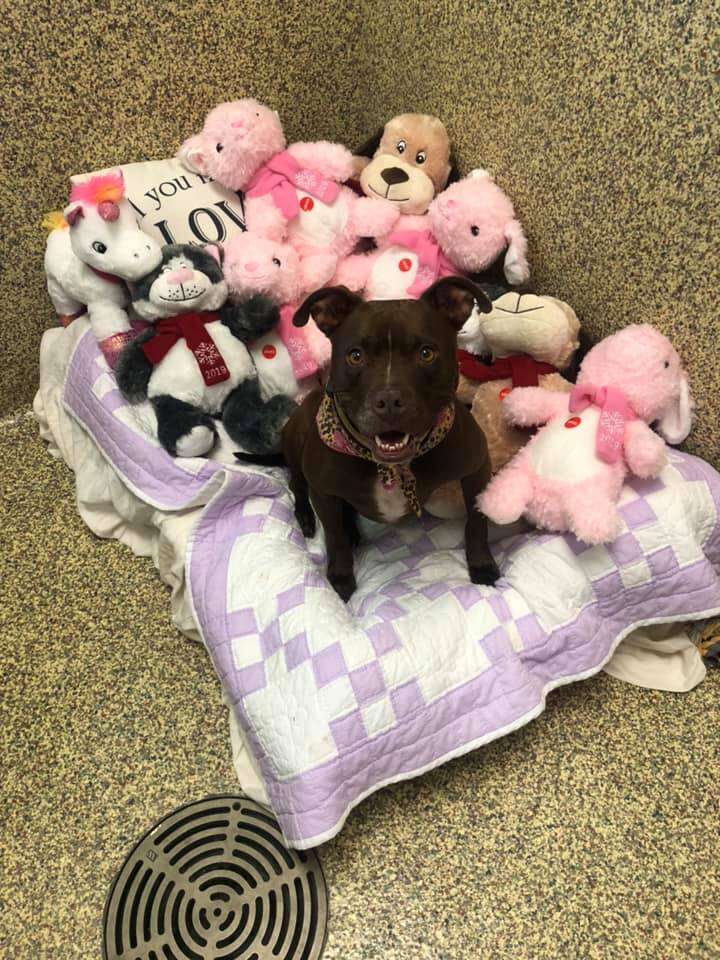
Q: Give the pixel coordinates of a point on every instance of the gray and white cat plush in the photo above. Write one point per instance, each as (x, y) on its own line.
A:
(193, 363)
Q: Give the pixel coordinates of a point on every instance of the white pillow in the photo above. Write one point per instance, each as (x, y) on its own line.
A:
(177, 206)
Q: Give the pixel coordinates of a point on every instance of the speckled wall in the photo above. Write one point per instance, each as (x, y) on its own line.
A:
(597, 117)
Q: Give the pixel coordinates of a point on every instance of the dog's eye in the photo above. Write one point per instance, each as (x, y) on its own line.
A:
(218, 147)
(427, 354)
(99, 247)
(474, 230)
(420, 157)
(276, 262)
(401, 145)
(354, 357)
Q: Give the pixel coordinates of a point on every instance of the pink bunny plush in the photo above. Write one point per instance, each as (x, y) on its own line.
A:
(288, 359)
(474, 222)
(293, 192)
(467, 227)
(570, 475)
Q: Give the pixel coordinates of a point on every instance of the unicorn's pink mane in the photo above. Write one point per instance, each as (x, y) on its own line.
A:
(104, 188)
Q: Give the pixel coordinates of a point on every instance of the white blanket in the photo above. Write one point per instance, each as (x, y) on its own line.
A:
(328, 697)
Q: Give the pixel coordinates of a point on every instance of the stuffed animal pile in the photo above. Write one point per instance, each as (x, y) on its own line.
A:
(206, 334)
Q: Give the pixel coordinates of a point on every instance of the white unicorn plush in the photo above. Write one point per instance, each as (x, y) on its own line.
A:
(96, 245)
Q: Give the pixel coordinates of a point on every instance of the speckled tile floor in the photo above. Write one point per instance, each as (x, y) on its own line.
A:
(591, 833)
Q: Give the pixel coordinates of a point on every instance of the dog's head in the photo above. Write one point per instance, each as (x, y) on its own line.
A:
(410, 162)
(393, 365)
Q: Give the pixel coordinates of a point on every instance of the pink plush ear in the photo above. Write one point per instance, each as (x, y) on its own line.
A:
(108, 210)
(73, 214)
(677, 422)
(192, 154)
(215, 251)
(517, 268)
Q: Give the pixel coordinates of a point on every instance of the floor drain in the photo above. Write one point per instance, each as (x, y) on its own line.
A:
(214, 881)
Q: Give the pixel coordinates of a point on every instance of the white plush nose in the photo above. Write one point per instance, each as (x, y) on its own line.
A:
(182, 275)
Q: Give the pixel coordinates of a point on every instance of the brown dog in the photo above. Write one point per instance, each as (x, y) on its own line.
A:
(388, 431)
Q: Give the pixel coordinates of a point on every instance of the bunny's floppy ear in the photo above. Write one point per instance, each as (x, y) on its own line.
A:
(517, 268)
(676, 424)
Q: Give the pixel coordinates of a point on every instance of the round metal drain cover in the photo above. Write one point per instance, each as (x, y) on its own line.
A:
(214, 881)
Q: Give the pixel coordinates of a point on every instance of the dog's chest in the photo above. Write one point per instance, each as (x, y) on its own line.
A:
(318, 223)
(178, 373)
(392, 274)
(390, 502)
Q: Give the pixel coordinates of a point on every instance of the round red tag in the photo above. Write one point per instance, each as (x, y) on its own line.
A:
(269, 351)
(307, 203)
(573, 422)
(405, 265)
(504, 392)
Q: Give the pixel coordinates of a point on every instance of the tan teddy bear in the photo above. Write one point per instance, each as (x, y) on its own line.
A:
(530, 339)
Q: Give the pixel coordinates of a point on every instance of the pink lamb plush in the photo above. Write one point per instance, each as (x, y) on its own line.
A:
(466, 228)
(292, 193)
(474, 221)
(289, 358)
(570, 475)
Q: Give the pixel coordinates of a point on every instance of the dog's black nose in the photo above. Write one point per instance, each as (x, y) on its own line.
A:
(393, 175)
(389, 403)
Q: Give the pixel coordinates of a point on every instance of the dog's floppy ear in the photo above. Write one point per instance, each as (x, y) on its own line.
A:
(455, 298)
(454, 173)
(328, 308)
(370, 147)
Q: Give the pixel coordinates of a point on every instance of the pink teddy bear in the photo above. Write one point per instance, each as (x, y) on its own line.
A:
(293, 192)
(466, 228)
(288, 359)
(570, 475)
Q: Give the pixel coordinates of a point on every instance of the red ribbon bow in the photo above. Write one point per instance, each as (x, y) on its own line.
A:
(520, 368)
(191, 328)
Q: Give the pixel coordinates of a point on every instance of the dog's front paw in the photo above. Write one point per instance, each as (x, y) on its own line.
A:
(343, 584)
(308, 524)
(484, 573)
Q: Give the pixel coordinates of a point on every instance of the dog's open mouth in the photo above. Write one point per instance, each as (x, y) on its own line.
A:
(393, 446)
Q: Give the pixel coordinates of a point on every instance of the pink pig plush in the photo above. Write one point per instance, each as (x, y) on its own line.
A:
(292, 193)
(467, 227)
(288, 359)
(570, 475)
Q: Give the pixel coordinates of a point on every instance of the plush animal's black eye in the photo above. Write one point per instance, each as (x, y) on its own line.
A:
(276, 262)
(218, 147)
(427, 354)
(99, 247)
(420, 157)
(474, 230)
(401, 146)
(354, 357)
(667, 364)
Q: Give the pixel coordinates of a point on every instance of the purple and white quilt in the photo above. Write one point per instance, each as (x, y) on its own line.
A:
(421, 666)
